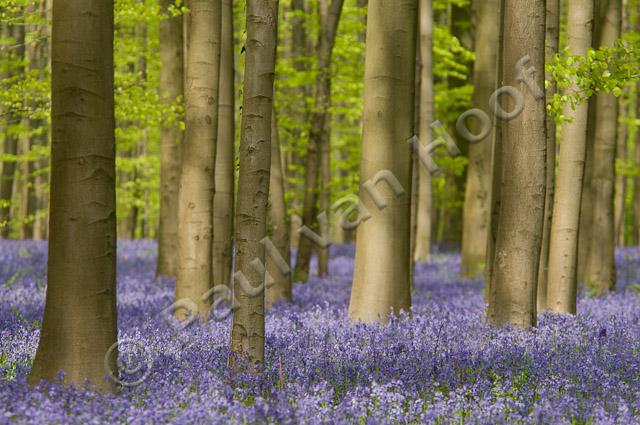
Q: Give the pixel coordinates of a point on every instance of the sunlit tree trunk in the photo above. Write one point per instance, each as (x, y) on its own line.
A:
(223, 205)
(317, 135)
(195, 205)
(171, 89)
(383, 258)
(519, 232)
(477, 194)
(552, 39)
(79, 325)
(280, 288)
(424, 199)
(247, 332)
(563, 244)
(600, 265)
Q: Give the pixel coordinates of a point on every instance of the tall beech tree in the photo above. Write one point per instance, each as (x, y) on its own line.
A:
(171, 89)
(223, 199)
(512, 297)
(280, 288)
(195, 209)
(318, 134)
(247, 331)
(563, 243)
(424, 199)
(551, 48)
(477, 193)
(601, 237)
(79, 325)
(381, 283)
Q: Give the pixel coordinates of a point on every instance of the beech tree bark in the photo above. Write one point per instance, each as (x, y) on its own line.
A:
(280, 288)
(171, 89)
(223, 199)
(381, 281)
(477, 194)
(496, 187)
(81, 275)
(553, 40)
(519, 233)
(317, 135)
(600, 263)
(422, 250)
(195, 215)
(247, 331)
(563, 244)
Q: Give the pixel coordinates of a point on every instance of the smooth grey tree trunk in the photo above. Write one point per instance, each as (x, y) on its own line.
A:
(79, 326)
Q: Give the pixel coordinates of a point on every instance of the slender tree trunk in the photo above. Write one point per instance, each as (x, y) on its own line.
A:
(299, 52)
(495, 194)
(325, 159)
(79, 326)
(553, 39)
(317, 135)
(636, 181)
(621, 179)
(25, 192)
(325, 193)
(383, 258)
(563, 244)
(600, 265)
(247, 332)
(195, 215)
(519, 233)
(586, 202)
(223, 200)
(451, 223)
(422, 250)
(16, 32)
(280, 289)
(172, 88)
(477, 194)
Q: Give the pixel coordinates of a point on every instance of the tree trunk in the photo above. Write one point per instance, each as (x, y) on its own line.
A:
(563, 244)
(383, 258)
(636, 181)
(600, 264)
(553, 39)
(451, 223)
(621, 179)
(247, 332)
(79, 327)
(171, 88)
(422, 250)
(519, 233)
(586, 203)
(477, 194)
(299, 52)
(280, 289)
(195, 215)
(223, 205)
(25, 192)
(325, 193)
(317, 135)
(16, 32)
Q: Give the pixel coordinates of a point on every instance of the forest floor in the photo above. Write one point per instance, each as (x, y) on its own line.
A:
(442, 365)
